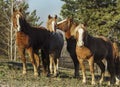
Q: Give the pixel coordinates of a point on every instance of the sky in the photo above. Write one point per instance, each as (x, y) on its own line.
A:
(45, 7)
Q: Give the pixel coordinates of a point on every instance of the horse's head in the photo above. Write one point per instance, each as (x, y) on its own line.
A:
(80, 34)
(51, 23)
(65, 24)
(16, 16)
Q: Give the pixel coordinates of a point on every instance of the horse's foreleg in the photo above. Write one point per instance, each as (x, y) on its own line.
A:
(76, 63)
(37, 59)
(31, 54)
(55, 66)
(22, 55)
(83, 69)
(57, 63)
(91, 65)
(102, 68)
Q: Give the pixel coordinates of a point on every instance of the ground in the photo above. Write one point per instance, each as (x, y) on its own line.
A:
(11, 76)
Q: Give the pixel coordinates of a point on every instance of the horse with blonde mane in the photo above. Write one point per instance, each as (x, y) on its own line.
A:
(56, 45)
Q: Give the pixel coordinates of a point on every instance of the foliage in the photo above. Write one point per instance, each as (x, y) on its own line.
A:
(102, 17)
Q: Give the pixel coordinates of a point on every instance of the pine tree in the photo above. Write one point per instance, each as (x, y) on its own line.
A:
(102, 17)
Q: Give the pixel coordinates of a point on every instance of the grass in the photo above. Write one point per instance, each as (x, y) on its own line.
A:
(11, 76)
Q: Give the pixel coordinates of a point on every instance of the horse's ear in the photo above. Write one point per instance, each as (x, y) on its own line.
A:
(55, 16)
(83, 26)
(49, 17)
(20, 9)
(14, 9)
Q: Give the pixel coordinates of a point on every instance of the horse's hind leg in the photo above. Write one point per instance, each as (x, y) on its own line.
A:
(91, 65)
(22, 55)
(83, 69)
(111, 69)
(45, 62)
(31, 54)
(102, 68)
(55, 66)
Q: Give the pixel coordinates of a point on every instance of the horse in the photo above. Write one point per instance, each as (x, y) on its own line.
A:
(56, 44)
(71, 43)
(101, 47)
(25, 39)
(117, 62)
(94, 47)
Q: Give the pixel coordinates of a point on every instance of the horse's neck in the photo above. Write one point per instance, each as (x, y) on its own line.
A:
(88, 39)
(67, 34)
(25, 27)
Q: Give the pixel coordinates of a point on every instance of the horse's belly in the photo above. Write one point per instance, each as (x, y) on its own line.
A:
(83, 52)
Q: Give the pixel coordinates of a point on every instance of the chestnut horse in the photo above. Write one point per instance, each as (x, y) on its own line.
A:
(29, 38)
(94, 47)
(97, 48)
(24, 40)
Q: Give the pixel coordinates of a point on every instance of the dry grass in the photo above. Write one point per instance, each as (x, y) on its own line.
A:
(11, 76)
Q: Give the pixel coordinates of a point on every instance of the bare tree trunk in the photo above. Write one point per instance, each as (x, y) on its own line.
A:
(15, 50)
(11, 33)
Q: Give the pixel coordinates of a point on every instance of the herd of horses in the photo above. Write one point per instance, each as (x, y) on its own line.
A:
(80, 45)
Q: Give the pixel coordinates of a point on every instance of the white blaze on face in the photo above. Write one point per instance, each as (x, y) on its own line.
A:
(18, 24)
(80, 37)
(53, 25)
(62, 21)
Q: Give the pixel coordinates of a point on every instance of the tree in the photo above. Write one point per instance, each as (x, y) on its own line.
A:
(5, 23)
(102, 17)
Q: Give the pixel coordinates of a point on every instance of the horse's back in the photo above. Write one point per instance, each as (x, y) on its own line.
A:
(56, 39)
(56, 43)
(39, 37)
(101, 47)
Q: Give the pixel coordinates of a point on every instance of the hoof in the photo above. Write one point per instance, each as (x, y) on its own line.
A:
(117, 83)
(76, 75)
(100, 82)
(24, 72)
(93, 83)
(55, 75)
(109, 83)
(36, 74)
(84, 82)
(49, 75)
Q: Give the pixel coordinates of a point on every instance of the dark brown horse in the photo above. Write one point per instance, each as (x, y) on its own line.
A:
(71, 43)
(94, 46)
(55, 46)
